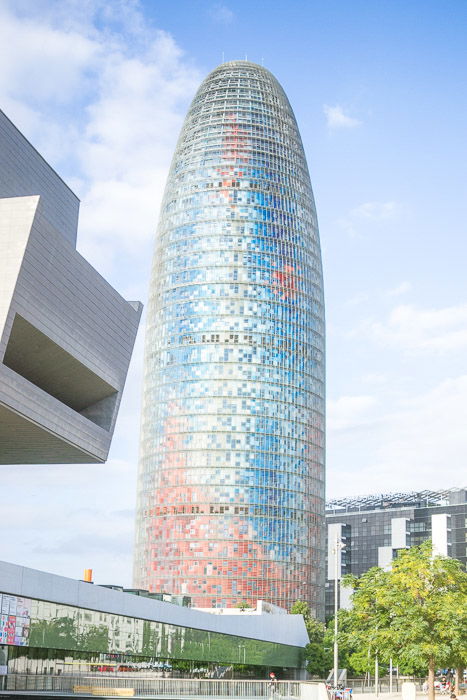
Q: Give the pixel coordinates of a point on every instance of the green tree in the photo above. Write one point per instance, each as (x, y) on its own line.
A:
(415, 613)
(356, 662)
(95, 638)
(318, 657)
(58, 633)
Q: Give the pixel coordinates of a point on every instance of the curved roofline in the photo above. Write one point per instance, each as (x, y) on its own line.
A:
(242, 63)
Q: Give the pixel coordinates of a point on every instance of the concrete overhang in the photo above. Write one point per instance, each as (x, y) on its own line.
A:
(66, 336)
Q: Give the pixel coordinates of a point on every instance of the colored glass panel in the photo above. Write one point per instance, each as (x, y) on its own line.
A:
(231, 477)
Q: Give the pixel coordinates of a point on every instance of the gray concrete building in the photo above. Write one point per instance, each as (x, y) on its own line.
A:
(66, 336)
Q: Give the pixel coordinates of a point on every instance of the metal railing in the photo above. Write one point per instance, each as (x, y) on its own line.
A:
(361, 685)
(157, 687)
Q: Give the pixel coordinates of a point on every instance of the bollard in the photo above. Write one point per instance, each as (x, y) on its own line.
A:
(409, 691)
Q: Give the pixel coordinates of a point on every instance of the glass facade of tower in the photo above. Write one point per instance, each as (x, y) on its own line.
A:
(231, 479)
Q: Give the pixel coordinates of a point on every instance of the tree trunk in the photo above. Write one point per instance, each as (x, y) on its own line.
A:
(459, 679)
(431, 679)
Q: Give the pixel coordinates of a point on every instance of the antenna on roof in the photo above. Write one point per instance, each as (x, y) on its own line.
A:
(223, 57)
(246, 57)
(262, 60)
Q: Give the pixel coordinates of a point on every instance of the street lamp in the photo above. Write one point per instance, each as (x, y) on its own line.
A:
(338, 547)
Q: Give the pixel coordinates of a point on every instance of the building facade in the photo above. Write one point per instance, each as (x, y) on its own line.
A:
(373, 528)
(231, 483)
(58, 626)
(66, 336)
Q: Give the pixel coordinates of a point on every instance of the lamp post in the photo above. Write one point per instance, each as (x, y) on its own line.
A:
(338, 546)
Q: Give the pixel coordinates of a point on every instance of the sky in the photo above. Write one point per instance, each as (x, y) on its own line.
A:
(101, 87)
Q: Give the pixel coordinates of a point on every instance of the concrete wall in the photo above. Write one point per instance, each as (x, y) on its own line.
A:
(23, 171)
(66, 336)
(65, 344)
(440, 531)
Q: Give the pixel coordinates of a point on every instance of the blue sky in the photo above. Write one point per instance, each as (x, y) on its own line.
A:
(378, 89)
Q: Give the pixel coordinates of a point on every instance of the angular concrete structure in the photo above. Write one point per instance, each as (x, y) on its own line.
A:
(66, 336)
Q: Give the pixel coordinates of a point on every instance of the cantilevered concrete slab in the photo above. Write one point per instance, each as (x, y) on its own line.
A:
(66, 336)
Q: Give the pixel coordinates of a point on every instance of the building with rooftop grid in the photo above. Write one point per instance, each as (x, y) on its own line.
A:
(373, 528)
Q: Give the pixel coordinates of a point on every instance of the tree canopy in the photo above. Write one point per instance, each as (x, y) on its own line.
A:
(318, 657)
(416, 613)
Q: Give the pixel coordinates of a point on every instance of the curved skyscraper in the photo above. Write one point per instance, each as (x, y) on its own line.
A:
(231, 481)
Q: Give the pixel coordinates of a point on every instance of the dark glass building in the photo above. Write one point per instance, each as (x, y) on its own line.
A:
(374, 528)
(231, 478)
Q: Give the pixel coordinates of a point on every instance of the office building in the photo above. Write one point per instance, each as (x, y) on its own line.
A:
(373, 528)
(66, 336)
(231, 483)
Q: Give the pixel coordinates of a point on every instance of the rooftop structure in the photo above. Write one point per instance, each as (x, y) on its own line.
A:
(382, 501)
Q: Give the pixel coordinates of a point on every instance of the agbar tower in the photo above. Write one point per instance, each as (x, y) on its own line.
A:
(231, 478)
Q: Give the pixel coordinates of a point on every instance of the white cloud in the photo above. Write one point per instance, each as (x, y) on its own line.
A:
(412, 329)
(40, 62)
(349, 411)
(337, 119)
(399, 290)
(357, 299)
(361, 298)
(221, 14)
(426, 436)
(71, 518)
(112, 97)
(416, 441)
(375, 211)
(368, 214)
(375, 378)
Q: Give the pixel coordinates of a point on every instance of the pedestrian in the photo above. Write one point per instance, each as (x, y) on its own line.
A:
(272, 682)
